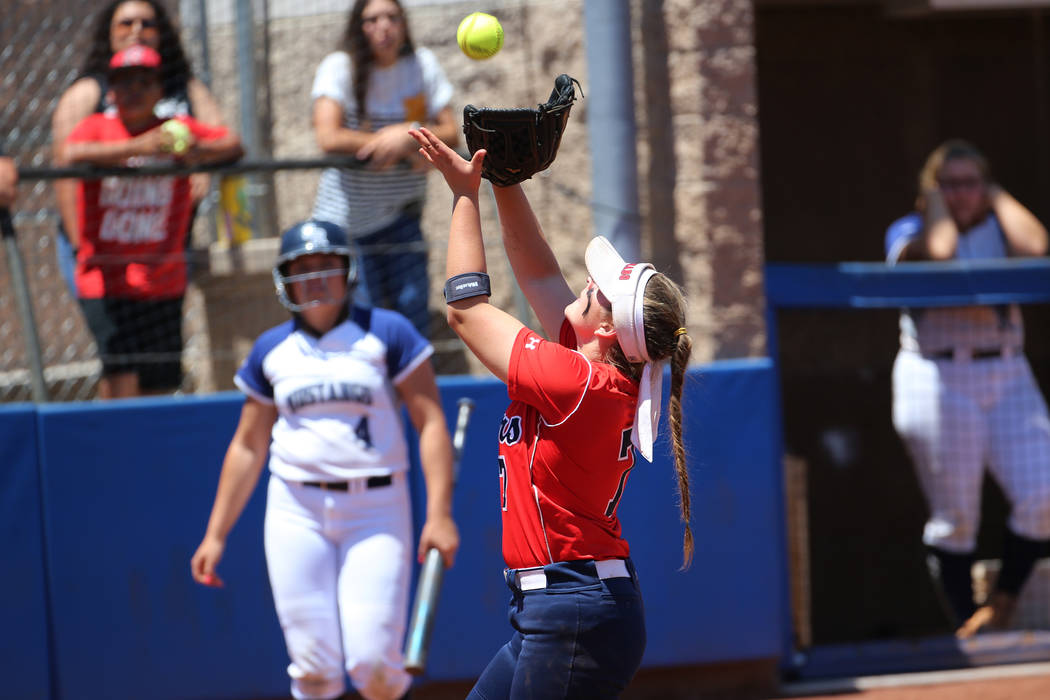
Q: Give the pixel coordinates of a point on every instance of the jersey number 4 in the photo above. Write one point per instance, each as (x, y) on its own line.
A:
(361, 431)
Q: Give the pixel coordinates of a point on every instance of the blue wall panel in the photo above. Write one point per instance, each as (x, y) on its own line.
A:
(128, 489)
(24, 656)
(726, 607)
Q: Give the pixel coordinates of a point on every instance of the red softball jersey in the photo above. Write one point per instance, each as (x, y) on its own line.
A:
(133, 230)
(564, 453)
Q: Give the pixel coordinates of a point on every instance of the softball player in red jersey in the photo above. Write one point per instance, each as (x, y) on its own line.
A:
(963, 393)
(580, 408)
(324, 392)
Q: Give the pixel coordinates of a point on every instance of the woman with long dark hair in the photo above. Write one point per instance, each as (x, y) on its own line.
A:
(367, 95)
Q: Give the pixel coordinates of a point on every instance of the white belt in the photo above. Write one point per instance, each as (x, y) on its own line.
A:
(532, 579)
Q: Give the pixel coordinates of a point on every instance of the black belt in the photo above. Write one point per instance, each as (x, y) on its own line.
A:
(372, 482)
(973, 354)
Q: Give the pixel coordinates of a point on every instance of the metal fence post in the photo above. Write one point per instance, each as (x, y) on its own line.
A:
(16, 267)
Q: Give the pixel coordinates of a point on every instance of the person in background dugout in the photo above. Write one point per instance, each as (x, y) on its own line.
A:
(367, 95)
(131, 264)
(8, 182)
(963, 392)
(118, 25)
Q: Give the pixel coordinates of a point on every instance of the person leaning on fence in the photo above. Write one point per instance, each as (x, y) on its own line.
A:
(8, 181)
(367, 95)
(963, 392)
(131, 265)
(118, 25)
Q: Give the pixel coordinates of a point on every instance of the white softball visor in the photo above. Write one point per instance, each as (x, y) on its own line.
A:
(623, 284)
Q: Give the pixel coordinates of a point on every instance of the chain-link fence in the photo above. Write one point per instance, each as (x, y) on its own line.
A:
(257, 60)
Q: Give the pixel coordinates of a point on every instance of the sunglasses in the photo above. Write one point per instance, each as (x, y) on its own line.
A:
(962, 183)
(391, 17)
(134, 78)
(129, 22)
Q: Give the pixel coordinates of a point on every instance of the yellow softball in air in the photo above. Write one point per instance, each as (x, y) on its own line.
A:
(480, 36)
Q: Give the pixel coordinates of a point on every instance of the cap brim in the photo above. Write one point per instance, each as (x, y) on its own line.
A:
(604, 265)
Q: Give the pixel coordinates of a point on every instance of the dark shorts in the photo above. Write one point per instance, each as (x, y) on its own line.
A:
(144, 337)
(579, 637)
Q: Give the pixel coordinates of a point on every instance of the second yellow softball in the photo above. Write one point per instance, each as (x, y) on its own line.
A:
(480, 36)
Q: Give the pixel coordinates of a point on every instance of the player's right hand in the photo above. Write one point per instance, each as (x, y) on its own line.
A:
(462, 176)
(204, 561)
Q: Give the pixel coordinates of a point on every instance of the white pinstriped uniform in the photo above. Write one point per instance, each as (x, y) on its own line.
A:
(339, 562)
(958, 414)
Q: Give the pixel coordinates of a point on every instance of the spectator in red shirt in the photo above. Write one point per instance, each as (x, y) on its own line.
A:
(131, 267)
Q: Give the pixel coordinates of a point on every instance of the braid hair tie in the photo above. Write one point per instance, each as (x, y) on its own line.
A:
(680, 331)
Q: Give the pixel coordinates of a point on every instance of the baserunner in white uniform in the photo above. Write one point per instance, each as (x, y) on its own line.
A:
(324, 393)
(963, 394)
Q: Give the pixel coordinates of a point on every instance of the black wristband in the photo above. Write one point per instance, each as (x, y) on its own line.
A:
(469, 284)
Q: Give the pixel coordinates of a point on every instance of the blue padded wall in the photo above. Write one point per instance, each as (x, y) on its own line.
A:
(24, 653)
(127, 488)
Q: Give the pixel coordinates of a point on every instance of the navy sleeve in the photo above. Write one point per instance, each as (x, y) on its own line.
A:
(406, 348)
(250, 378)
(900, 233)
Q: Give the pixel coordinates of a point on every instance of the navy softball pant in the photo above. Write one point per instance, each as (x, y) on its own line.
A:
(577, 634)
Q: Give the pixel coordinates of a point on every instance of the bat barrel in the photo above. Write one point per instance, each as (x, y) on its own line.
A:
(422, 620)
(466, 407)
(421, 623)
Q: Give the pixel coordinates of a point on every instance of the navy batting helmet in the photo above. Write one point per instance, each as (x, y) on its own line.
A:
(308, 238)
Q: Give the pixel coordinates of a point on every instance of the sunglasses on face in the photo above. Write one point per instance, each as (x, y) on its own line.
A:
(129, 22)
(391, 17)
(959, 184)
(134, 79)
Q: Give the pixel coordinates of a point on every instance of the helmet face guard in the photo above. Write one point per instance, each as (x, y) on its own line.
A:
(313, 237)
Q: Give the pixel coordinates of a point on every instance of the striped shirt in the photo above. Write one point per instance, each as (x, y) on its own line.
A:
(413, 89)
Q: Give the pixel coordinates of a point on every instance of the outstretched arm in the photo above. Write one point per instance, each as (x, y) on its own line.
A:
(488, 332)
(532, 259)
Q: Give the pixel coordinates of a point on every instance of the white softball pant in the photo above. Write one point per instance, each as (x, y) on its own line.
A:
(339, 565)
(955, 417)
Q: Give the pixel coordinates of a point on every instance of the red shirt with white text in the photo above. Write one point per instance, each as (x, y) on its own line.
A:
(133, 229)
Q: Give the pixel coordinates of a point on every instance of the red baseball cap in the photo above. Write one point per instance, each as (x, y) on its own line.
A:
(137, 56)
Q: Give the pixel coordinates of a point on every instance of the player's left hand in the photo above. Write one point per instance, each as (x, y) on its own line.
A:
(440, 533)
(463, 176)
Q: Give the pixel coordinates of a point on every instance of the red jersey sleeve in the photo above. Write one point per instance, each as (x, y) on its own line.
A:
(203, 132)
(87, 129)
(550, 377)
